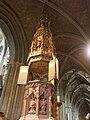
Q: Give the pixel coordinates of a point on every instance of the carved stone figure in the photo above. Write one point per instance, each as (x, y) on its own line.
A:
(32, 108)
(43, 107)
(32, 100)
(38, 99)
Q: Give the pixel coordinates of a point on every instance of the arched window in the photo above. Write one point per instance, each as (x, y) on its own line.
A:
(4, 58)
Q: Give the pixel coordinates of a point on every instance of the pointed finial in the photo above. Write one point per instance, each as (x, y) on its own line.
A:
(44, 17)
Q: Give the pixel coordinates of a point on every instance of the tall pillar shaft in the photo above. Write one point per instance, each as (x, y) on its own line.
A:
(11, 94)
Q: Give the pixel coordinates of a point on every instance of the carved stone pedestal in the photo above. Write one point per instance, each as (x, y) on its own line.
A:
(38, 103)
(33, 117)
(29, 117)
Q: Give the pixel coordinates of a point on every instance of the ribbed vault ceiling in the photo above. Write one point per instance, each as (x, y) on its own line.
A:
(78, 87)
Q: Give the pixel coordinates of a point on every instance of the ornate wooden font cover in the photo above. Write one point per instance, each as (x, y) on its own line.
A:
(39, 94)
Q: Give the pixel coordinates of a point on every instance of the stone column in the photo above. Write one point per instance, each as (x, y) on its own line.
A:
(12, 93)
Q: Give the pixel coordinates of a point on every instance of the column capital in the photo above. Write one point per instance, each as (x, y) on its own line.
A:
(58, 104)
(1, 114)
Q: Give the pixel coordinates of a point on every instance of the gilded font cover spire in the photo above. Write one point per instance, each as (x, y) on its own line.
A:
(42, 45)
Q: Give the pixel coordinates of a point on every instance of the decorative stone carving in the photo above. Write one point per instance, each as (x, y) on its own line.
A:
(38, 99)
(43, 107)
(43, 99)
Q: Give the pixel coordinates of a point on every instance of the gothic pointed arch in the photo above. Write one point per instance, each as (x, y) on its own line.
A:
(15, 37)
(13, 29)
